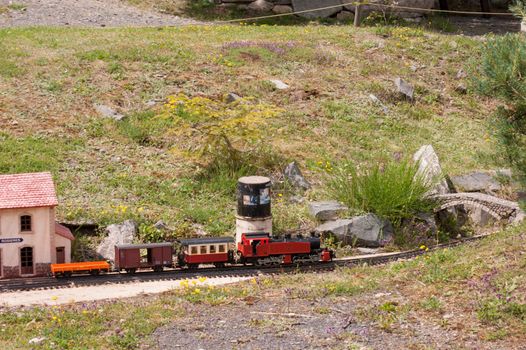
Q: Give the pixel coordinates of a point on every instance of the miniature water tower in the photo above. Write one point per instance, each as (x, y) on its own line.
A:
(253, 206)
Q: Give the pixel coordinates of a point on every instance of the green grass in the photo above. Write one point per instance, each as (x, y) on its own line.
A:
(395, 190)
(479, 285)
(141, 162)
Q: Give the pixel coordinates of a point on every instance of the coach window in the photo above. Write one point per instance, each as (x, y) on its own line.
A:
(212, 249)
(221, 248)
(193, 249)
(203, 249)
(26, 223)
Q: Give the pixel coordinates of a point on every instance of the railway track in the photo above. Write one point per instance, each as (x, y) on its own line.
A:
(43, 283)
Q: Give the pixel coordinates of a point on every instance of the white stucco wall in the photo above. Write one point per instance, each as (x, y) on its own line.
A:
(39, 238)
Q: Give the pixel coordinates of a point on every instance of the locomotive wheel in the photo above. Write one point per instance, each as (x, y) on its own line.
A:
(67, 274)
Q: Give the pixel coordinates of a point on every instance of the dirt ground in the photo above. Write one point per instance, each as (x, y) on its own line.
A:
(282, 323)
(83, 13)
(116, 13)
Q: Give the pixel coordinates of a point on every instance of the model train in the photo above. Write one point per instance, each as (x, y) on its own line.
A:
(258, 249)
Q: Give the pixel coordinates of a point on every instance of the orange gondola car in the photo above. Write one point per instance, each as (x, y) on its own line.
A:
(91, 267)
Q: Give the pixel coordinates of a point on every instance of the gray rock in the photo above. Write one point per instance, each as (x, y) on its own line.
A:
(293, 174)
(260, 6)
(37, 340)
(461, 88)
(108, 112)
(123, 233)
(345, 16)
(161, 225)
(278, 84)
(476, 182)
(461, 74)
(480, 217)
(296, 199)
(404, 88)
(305, 5)
(367, 230)
(429, 167)
(232, 97)
(429, 220)
(364, 250)
(519, 218)
(377, 101)
(326, 210)
(281, 9)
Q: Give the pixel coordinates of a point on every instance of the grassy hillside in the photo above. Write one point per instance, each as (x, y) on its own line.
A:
(148, 168)
(471, 296)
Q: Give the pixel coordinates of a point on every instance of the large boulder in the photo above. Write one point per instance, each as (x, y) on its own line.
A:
(326, 210)
(476, 182)
(429, 167)
(367, 230)
(123, 233)
(293, 174)
(260, 6)
(305, 5)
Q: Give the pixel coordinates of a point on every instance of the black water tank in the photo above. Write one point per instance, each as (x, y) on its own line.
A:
(253, 196)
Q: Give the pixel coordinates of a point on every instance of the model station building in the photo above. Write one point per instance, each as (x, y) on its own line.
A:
(30, 238)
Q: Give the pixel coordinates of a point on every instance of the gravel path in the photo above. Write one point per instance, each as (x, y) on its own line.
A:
(103, 292)
(83, 13)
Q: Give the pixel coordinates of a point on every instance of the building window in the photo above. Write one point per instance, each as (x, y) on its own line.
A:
(25, 223)
(26, 260)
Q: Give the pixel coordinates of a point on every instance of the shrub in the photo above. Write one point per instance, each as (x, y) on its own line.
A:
(394, 191)
(502, 73)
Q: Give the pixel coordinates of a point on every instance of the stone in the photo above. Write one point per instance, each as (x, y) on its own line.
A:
(232, 97)
(293, 174)
(367, 230)
(377, 101)
(461, 74)
(305, 5)
(278, 84)
(296, 199)
(479, 217)
(161, 225)
(108, 112)
(345, 16)
(476, 182)
(364, 250)
(37, 340)
(461, 88)
(123, 233)
(429, 167)
(518, 218)
(283, 2)
(282, 9)
(260, 6)
(404, 88)
(326, 210)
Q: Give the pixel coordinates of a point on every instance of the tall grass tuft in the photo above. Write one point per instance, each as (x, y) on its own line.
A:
(395, 191)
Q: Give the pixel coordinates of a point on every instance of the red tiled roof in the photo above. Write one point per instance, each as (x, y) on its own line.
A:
(27, 191)
(63, 231)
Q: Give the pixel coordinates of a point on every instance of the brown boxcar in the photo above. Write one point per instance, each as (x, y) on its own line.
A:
(130, 257)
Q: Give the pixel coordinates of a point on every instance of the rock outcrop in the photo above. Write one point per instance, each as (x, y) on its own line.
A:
(326, 210)
(123, 233)
(429, 167)
(293, 174)
(367, 230)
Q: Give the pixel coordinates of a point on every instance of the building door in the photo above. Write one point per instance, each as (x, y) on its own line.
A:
(26, 261)
(61, 255)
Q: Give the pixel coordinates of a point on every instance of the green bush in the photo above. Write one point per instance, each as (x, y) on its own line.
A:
(394, 191)
(501, 72)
